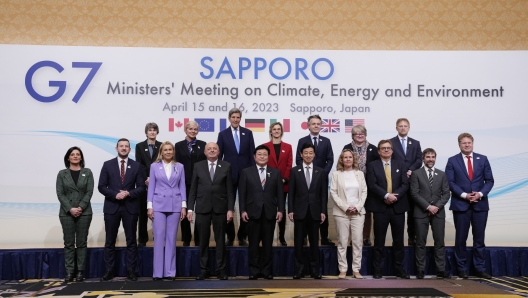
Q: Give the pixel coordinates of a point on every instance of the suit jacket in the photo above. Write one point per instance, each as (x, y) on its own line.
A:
(228, 152)
(338, 192)
(377, 184)
(143, 156)
(284, 164)
(459, 182)
(300, 197)
(184, 157)
(73, 196)
(253, 198)
(165, 194)
(413, 158)
(372, 152)
(110, 185)
(324, 155)
(424, 195)
(206, 195)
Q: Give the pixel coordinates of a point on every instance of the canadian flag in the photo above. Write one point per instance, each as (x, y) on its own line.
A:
(178, 124)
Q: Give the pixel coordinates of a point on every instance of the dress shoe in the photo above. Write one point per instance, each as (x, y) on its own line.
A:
(253, 277)
(411, 242)
(316, 276)
(269, 276)
(107, 276)
(156, 278)
(463, 274)
(131, 275)
(442, 275)
(229, 243)
(222, 276)
(377, 275)
(366, 242)
(186, 243)
(202, 276)
(142, 244)
(298, 276)
(483, 274)
(80, 276)
(342, 275)
(327, 242)
(242, 242)
(69, 277)
(403, 275)
(283, 242)
(420, 274)
(172, 278)
(357, 275)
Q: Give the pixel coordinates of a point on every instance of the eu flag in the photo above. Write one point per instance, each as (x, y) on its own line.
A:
(206, 124)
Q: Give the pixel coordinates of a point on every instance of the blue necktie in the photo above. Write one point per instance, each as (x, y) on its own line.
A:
(403, 146)
(237, 141)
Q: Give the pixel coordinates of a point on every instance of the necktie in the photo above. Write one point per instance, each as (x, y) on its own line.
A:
(431, 177)
(262, 177)
(122, 171)
(211, 171)
(470, 168)
(403, 146)
(237, 141)
(315, 142)
(151, 149)
(308, 176)
(388, 176)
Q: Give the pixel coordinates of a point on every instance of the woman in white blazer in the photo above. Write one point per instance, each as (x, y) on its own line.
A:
(348, 189)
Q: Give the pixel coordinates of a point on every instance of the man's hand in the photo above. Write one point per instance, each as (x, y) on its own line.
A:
(189, 216)
(290, 216)
(229, 216)
(409, 172)
(150, 213)
(391, 198)
(278, 217)
(245, 216)
(323, 217)
(433, 210)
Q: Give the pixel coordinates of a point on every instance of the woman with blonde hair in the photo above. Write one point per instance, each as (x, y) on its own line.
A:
(348, 189)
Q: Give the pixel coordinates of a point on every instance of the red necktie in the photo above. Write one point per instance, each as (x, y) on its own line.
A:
(470, 168)
(122, 171)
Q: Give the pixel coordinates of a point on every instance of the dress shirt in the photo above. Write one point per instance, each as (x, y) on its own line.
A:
(351, 188)
(464, 158)
(314, 136)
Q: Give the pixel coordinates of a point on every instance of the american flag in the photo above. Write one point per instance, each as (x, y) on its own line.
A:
(351, 122)
(330, 125)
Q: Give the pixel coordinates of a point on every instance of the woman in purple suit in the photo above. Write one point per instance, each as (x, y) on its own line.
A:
(167, 205)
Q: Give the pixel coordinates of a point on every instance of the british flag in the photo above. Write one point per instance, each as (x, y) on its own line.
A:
(331, 125)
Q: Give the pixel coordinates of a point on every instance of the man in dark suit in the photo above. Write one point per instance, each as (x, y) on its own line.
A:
(388, 183)
(408, 151)
(324, 158)
(146, 153)
(307, 199)
(121, 182)
(430, 192)
(261, 197)
(212, 199)
(188, 153)
(236, 146)
(470, 180)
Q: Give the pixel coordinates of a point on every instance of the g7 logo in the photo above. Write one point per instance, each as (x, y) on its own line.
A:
(60, 84)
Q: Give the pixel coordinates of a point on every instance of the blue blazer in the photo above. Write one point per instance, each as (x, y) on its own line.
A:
(413, 158)
(165, 194)
(459, 182)
(228, 152)
(110, 185)
(324, 155)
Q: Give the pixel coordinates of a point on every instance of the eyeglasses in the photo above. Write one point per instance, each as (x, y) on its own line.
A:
(359, 134)
(385, 148)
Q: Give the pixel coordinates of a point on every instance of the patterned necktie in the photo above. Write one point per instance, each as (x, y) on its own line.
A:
(431, 177)
(308, 176)
(211, 171)
(388, 176)
(315, 142)
(470, 168)
(237, 141)
(122, 171)
(262, 177)
(403, 146)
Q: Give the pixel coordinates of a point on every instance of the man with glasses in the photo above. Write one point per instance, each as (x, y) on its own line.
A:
(388, 183)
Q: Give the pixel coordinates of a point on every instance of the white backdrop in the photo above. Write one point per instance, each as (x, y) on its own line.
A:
(40, 122)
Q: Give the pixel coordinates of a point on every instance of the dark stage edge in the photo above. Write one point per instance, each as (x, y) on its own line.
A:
(16, 264)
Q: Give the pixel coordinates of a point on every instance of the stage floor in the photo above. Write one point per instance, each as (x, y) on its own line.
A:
(282, 287)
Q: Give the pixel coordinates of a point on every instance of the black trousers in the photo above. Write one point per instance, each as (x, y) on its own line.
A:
(203, 226)
(260, 230)
(301, 227)
(242, 228)
(282, 223)
(112, 222)
(143, 218)
(381, 224)
(411, 228)
(185, 225)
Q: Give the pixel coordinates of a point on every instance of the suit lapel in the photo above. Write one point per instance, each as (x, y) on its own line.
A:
(217, 169)
(462, 164)
(281, 153)
(398, 147)
(161, 171)
(256, 176)
(69, 178)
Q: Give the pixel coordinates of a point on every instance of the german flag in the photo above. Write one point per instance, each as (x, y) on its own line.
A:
(256, 125)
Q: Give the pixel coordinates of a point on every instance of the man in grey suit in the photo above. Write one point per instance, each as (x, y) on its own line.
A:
(212, 199)
(430, 192)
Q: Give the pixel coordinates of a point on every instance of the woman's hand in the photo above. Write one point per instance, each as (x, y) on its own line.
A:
(150, 213)
(183, 213)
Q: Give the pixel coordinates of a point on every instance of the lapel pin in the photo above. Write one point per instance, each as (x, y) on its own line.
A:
(283, 151)
(410, 142)
(83, 174)
(478, 157)
(316, 171)
(436, 173)
(198, 147)
(397, 170)
(299, 170)
(146, 149)
(219, 166)
(370, 149)
(243, 133)
(269, 174)
(129, 167)
(161, 168)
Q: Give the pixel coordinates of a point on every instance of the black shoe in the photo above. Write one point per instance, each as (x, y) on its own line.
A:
(463, 274)
(142, 244)
(131, 275)
(411, 242)
(80, 276)
(229, 243)
(283, 242)
(242, 242)
(402, 274)
(107, 276)
(69, 277)
(377, 275)
(366, 242)
(483, 274)
(442, 275)
(202, 276)
(327, 242)
(253, 277)
(420, 274)
(298, 276)
(186, 243)
(222, 276)
(316, 276)
(156, 278)
(269, 276)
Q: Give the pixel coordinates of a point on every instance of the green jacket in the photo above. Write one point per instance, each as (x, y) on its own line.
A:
(71, 195)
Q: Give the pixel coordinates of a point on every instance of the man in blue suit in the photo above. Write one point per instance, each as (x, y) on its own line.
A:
(470, 180)
(324, 158)
(122, 183)
(236, 146)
